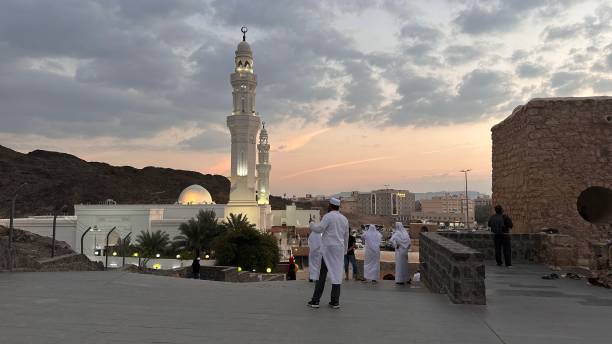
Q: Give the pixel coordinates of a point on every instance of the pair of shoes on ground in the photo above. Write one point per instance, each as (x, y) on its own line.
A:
(552, 276)
(313, 304)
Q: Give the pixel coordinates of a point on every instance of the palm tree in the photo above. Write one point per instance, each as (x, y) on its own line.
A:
(197, 233)
(125, 247)
(238, 222)
(151, 243)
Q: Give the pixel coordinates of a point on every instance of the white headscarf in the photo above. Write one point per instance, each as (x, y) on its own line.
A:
(372, 237)
(400, 236)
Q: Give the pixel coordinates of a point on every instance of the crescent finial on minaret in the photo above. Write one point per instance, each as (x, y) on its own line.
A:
(244, 30)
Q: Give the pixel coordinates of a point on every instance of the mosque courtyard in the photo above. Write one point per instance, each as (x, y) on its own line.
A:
(121, 307)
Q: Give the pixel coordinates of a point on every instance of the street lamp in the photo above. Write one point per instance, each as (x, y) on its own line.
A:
(10, 238)
(467, 200)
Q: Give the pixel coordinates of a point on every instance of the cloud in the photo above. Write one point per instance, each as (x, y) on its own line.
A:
(530, 70)
(480, 16)
(427, 101)
(209, 140)
(130, 69)
(460, 54)
(334, 166)
(562, 32)
(567, 83)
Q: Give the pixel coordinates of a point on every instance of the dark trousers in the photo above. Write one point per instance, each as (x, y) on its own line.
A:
(502, 242)
(350, 258)
(335, 293)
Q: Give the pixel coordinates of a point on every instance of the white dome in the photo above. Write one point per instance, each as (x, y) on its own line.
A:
(195, 194)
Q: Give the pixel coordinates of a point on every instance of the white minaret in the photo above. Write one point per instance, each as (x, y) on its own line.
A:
(263, 167)
(243, 124)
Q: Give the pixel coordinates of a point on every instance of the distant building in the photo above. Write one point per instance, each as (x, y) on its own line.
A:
(482, 200)
(449, 208)
(453, 219)
(398, 204)
(350, 203)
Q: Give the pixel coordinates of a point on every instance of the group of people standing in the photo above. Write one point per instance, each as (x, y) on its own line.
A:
(332, 248)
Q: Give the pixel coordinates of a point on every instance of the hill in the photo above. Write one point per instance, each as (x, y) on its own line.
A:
(56, 179)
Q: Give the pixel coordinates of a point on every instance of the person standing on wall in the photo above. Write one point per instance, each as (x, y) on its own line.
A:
(349, 257)
(334, 244)
(500, 225)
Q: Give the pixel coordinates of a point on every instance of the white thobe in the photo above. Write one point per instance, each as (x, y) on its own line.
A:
(334, 242)
(402, 275)
(314, 255)
(371, 262)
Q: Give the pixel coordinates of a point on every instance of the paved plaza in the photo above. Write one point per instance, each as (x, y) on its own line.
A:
(121, 307)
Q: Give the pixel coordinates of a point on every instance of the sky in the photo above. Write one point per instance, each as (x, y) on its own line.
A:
(357, 95)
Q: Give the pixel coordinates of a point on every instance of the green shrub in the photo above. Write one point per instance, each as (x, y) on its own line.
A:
(248, 249)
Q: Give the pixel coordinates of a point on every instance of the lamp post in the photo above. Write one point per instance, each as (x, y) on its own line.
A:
(467, 200)
(123, 248)
(10, 238)
(83, 237)
(64, 210)
(106, 249)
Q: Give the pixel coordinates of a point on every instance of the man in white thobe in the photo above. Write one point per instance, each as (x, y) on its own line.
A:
(334, 243)
(371, 262)
(401, 242)
(314, 255)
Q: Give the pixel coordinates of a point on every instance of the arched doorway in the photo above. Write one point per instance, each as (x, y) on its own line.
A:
(595, 205)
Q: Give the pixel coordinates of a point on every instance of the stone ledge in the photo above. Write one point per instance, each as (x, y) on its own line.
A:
(448, 267)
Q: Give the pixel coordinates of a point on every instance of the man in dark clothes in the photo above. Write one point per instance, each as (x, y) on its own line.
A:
(349, 257)
(500, 225)
(195, 268)
(291, 272)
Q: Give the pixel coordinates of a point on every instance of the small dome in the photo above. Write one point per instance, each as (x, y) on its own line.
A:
(195, 194)
(243, 48)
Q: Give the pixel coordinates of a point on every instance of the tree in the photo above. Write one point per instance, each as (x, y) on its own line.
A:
(246, 247)
(150, 244)
(482, 213)
(198, 233)
(236, 222)
(125, 247)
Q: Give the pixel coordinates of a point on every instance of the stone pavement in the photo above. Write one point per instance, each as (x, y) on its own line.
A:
(121, 307)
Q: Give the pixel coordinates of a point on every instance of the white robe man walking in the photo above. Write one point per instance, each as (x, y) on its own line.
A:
(334, 243)
(401, 241)
(314, 255)
(371, 263)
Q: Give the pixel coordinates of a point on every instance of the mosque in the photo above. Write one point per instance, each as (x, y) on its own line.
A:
(249, 192)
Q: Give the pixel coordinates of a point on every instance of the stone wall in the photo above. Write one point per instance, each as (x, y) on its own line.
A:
(540, 248)
(526, 248)
(544, 156)
(452, 268)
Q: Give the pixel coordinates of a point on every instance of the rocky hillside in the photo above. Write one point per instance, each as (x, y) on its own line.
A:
(32, 252)
(57, 179)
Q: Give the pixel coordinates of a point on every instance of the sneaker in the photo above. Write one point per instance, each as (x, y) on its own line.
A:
(509, 267)
(313, 304)
(334, 305)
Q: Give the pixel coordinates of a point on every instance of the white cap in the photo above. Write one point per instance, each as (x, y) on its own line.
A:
(334, 201)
